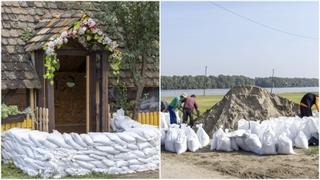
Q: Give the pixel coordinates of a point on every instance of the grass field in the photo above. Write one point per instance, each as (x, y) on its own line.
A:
(206, 102)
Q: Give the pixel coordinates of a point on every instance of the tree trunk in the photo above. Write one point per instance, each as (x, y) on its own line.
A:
(140, 86)
(138, 101)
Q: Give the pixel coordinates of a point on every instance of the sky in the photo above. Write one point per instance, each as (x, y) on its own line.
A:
(199, 34)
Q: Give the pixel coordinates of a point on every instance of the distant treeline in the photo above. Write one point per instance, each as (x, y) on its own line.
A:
(222, 81)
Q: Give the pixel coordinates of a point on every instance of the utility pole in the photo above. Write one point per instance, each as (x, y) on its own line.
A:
(272, 79)
(205, 83)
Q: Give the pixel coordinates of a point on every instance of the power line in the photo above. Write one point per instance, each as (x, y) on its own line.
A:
(262, 24)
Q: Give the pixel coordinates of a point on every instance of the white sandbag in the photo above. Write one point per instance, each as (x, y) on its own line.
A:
(254, 144)
(83, 158)
(107, 149)
(68, 139)
(202, 136)
(193, 143)
(115, 138)
(125, 137)
(163, 136)
(234, 145)
(132, 146)
(268, 142)
(223, 143)
(254, 127)
(243, 124)
(215, 137)
(164, 118)
(100, 138)
(180, 144)
(85, 165)
(301, 141)
(285, 145)
(77, 139)
(108, 162)
(87, 139)
(171, 138)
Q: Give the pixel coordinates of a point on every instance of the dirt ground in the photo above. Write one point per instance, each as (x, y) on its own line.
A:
(240, 164)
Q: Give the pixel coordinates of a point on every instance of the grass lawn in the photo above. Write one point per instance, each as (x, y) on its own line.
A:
(206, 102)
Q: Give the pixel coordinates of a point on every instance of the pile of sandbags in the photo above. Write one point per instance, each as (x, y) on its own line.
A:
(180, 138)
(272, 136)
(58, 155)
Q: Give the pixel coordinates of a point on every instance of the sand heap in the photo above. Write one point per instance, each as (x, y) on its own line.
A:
(246, 102)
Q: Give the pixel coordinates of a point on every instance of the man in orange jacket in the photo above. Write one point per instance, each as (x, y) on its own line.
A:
(307, 101)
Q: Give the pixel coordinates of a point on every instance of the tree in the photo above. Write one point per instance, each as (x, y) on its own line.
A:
(136, 24)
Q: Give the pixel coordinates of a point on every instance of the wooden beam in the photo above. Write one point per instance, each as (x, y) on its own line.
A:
(104, 93)
(72, 52)
(39, 64)
(87, 94)
(92, 91)
(50, 105)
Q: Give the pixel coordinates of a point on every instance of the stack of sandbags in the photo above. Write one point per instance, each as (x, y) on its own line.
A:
(180, 138)
(272, 136)
(58, 155)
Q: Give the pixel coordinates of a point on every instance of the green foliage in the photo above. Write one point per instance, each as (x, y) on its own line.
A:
(136, 24)
(222, 81)
(9, 110)
(122, 97)
(86, 37)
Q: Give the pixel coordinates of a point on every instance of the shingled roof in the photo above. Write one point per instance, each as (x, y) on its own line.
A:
(23, 17)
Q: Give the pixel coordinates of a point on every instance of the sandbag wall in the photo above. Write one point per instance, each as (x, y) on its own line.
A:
(272, 136)
(57, 155)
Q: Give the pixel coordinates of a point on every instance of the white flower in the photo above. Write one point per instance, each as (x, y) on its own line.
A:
(64, 34)
(99, 32)
(82, 30)
(114, 45)
(107, 41)
(50, 51)
(91, 23)
(50, 44)
(65, 40)
(58, 41)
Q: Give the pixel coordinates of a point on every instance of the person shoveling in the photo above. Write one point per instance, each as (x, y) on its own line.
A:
(174, 105)
(189, 105)
(306, 103)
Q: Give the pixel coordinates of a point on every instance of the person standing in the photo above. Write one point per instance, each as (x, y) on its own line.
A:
(307, 101)
(174, 104)
(189, 106)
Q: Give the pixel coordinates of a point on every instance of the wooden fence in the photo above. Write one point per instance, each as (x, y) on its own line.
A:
(25, 122)
(41, 121)
(151, 118)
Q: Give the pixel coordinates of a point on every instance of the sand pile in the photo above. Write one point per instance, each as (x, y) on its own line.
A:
(246, 102)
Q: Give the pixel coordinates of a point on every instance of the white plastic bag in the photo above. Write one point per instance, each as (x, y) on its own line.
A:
(171, 137)
(268, 142)
(202, 136)
(193, 143)
(215, 137)
(253, 143)
(180, 144)
(285, 145)
(223, 143)
(301, 141)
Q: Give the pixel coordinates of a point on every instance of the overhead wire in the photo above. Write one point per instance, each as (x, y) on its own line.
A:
(263, 24)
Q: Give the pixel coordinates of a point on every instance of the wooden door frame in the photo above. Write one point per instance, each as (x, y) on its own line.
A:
(45, 95)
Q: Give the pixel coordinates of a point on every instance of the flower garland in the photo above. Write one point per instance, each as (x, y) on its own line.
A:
(84, 30)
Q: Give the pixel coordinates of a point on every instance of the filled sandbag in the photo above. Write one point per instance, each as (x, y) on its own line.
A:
(301, 141)
(284, 145)
(180, 145)
(202, 136)
(268, 142)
